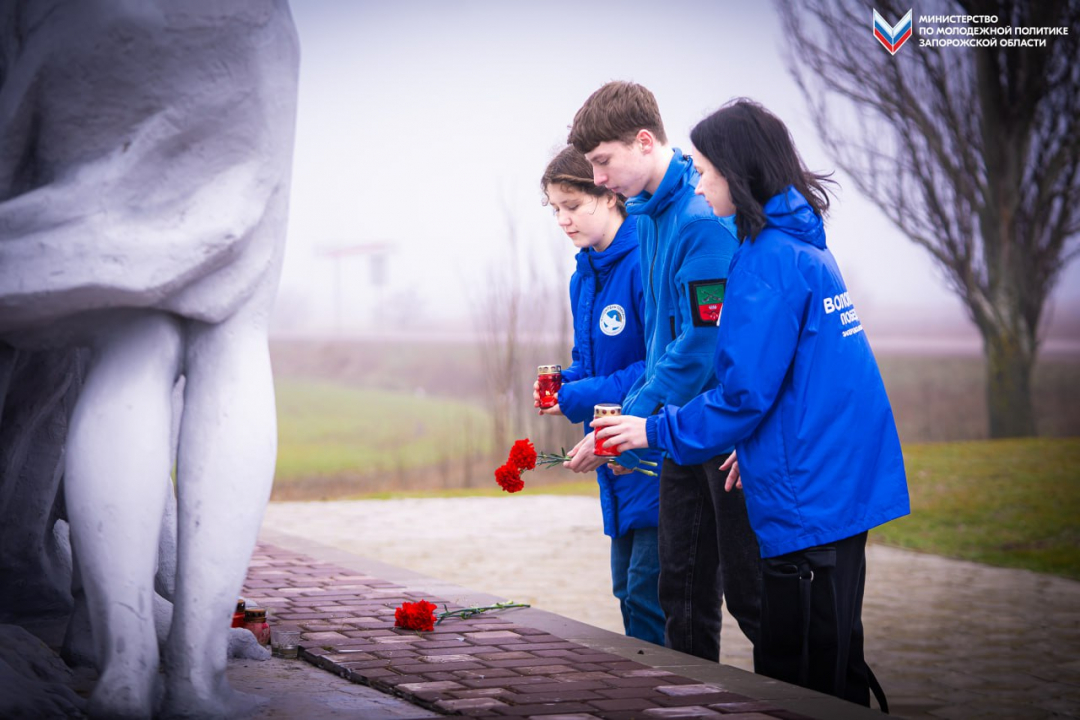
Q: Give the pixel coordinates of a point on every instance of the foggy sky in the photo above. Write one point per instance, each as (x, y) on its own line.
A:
(424, 126)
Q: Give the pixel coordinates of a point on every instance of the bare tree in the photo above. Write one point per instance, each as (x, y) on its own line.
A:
(972, 152)
(498, 314)
(523, 318)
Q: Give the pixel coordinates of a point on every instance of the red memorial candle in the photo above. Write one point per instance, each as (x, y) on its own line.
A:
(605, 410)
(238, 614)
(255, 621)
(550, 379)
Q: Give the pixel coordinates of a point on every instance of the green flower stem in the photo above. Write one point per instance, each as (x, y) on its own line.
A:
(468, 612)
(550, 460)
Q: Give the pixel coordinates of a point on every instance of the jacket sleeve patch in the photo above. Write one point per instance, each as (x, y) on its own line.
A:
(706, 301)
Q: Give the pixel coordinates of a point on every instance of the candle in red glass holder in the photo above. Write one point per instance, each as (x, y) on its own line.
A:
(605, 410)
(550, 379)
(238, 614)
(255, 621)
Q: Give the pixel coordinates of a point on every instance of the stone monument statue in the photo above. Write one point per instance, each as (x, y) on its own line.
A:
(145, 152)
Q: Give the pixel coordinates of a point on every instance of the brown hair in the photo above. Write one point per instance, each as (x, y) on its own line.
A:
(617, 111)
(571, 170)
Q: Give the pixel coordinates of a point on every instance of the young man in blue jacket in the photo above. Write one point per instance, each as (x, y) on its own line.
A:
(608, 355)
(707, 549)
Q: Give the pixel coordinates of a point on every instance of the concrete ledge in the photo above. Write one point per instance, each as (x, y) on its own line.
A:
(792, 699)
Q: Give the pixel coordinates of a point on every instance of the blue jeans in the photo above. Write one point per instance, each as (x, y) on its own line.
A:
(635, 578)
(708, 551)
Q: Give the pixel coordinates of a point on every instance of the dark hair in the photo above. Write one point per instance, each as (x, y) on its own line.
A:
(753, 150)
(570, 169)
(617, 111)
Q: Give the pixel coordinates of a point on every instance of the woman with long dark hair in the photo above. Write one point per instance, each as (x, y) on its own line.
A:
(800, 397)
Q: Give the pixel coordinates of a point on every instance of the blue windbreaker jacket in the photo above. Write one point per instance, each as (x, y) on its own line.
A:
(608, 355)
(685, 255)
(799, 394)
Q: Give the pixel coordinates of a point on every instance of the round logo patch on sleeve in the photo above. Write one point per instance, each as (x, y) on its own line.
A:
(612, 320)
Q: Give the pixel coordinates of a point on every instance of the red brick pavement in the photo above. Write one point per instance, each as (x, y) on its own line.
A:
(484, 666)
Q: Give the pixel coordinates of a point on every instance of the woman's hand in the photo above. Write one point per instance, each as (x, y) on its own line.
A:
(553, 410)
(622, 432)
(734, 478)
(582, 457)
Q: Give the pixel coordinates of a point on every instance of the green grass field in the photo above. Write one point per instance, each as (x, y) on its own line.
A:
(935, 396)
(328, 429)
(1013, 503)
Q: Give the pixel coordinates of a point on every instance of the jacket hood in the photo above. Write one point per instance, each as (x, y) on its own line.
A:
(624, 243)
(680, 172)
(728, 221)
(790, 212)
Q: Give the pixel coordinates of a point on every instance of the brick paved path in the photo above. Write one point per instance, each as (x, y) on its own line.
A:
(949, 640)
(485, 666)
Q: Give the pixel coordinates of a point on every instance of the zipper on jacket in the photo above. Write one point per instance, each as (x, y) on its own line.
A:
(652, 266)
(596, 275)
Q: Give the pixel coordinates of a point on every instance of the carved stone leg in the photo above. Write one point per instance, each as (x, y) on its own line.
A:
(227, 452)
(118, 451)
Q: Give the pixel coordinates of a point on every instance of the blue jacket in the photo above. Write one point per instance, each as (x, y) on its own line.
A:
(685, 254)
(799, 394)
(608, 355)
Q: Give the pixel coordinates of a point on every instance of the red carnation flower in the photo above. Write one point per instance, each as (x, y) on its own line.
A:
(415, 616)
(523, 455)
(509, 478)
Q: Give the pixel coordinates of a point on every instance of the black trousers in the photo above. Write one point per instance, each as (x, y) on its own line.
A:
(811, 620)
(707, 552)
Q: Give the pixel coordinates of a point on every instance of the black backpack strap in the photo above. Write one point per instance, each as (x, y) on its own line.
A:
(793, 576)
(875, 687)
(806, 577)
